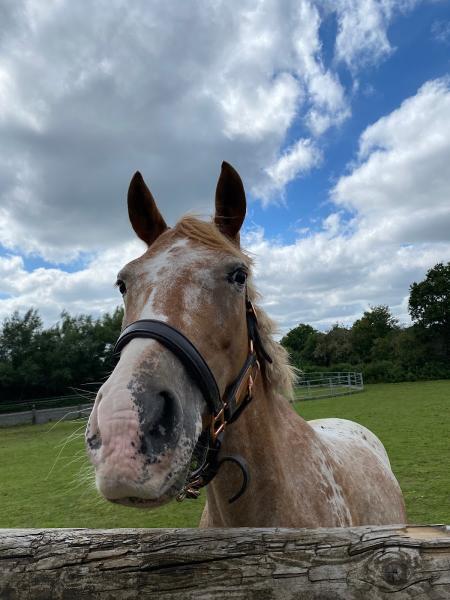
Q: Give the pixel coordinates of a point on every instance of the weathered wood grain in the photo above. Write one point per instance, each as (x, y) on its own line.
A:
(257, 564)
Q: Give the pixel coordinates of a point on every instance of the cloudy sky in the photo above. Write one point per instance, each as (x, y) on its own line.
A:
(335, 112)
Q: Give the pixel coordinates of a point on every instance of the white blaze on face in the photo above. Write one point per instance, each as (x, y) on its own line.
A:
(157, 271)
(181, 268)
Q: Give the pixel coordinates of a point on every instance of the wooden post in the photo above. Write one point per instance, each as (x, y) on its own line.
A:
(390, 562)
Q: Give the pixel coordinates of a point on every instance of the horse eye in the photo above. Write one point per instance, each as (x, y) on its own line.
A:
(122, 287)
(239, 276)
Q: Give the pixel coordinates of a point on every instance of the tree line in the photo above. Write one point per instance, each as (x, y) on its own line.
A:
(37, 362)
(377, 345)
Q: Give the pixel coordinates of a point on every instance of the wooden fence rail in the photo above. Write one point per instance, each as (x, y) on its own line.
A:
(257, 564)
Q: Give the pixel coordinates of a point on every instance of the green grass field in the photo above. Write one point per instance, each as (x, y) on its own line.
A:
(45, 480)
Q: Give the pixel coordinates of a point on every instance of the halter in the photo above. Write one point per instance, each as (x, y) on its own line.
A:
(221, 410)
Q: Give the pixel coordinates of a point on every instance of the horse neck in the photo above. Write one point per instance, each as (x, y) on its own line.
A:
(261, 436)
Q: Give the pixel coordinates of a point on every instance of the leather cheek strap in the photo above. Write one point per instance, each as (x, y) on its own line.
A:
(238, 395)
(183, 349)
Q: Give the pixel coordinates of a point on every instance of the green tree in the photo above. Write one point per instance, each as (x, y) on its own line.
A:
(375, 323)
(333, 347)
(300, 342)
(410, 352)
(429, 305)
(19, 345)
(36, 362)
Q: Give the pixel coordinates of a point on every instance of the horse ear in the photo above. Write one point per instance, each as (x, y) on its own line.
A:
(230, 202)
(144, 215)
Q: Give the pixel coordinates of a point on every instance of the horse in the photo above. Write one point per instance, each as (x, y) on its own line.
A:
(200, 371)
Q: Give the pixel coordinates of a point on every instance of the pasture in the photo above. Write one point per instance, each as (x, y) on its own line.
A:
(45, 480)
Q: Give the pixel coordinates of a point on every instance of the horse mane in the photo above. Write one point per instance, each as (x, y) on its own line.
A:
(279, 376)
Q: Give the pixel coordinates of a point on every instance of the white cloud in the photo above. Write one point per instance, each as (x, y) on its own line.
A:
(329, 105)
(51, 290)
(169, 88)
(257, 112)
(362, 28)
(440, 30)
(298, 158)
(362, 32)
(9, 266)
(400, 187)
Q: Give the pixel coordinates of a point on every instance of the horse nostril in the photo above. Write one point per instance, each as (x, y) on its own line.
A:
(164, 416)
(161, 424)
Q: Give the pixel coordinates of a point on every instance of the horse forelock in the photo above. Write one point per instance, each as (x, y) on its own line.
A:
(209, 235)
(279, 376)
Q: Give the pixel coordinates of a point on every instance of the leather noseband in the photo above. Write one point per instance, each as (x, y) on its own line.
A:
(183, 349)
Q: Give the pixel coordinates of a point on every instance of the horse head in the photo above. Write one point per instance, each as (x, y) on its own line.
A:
(149, 414)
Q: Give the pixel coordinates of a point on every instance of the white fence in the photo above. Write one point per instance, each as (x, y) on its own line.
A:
(325, 385)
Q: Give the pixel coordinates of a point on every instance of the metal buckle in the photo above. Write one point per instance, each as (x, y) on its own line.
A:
(220, 417)
(189, 492)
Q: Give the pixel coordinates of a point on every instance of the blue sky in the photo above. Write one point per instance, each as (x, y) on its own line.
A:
(336, 114)
(417, 57)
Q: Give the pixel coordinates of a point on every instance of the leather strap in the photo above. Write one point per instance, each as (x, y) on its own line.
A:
(237, 396)
(183, 349)
(253, 333)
